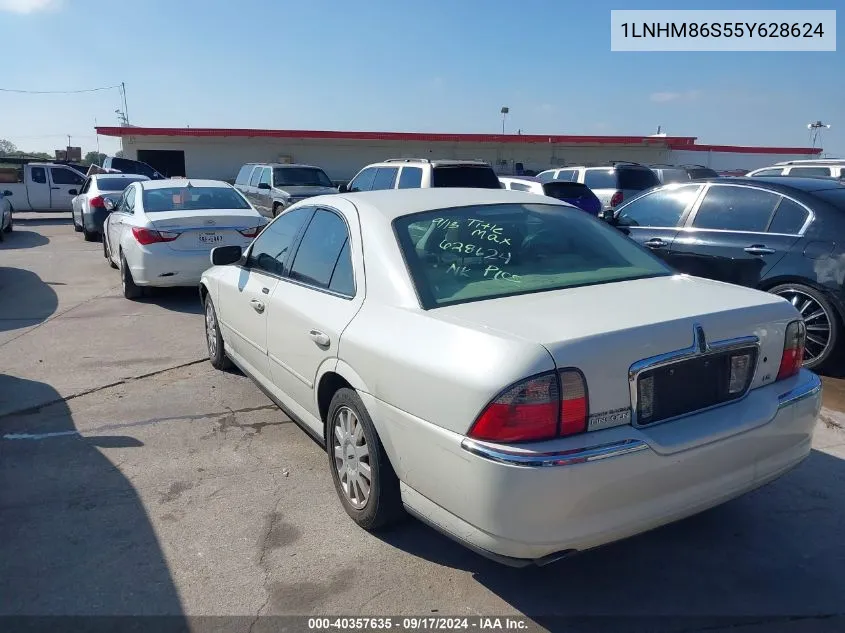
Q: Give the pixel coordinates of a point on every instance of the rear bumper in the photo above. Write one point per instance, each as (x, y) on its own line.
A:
(167, 268)
(522, 504)
(94, 220)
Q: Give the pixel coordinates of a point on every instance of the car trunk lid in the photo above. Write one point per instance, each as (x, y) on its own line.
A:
(205, 228)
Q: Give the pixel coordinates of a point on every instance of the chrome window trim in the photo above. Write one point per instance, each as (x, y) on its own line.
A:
(698, 349)
(685, 214)
(508, 456)
(687, 225)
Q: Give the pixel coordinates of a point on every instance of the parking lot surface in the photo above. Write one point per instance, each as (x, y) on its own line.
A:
(135, 479)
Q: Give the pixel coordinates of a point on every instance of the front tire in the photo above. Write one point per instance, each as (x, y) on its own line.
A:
(214, 338)
(821, 319)
(363, 476)
(130, 289)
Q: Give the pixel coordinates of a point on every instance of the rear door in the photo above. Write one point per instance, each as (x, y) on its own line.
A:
(245, 310)
(385, 178)
(737, 233)
(37, 188)
(263, 196)
(314, 304)
(62, 182)
(251, 188)
(653, 220)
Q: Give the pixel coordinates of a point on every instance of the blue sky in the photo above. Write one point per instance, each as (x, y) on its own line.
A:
(442, 65)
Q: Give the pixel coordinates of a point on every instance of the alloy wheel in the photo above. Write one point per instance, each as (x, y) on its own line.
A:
(210, 329)
(351, 457)
(817, 320)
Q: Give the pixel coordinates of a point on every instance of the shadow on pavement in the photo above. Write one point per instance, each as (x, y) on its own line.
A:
(46, 220)
(25, 299)
(19, 239)
(186, 300)
(777, 551)
(75, 538)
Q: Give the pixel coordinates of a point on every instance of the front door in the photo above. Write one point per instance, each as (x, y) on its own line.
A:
(38, 189)
(63, 181)
(737, 234)
(314, 305)
(653, 219)
(245, 309)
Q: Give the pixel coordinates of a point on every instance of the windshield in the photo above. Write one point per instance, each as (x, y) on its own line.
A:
(488, 251)
(300, 177)
(193, 199)
(475, 176)
(115, 184)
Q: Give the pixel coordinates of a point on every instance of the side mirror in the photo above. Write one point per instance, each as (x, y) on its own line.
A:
(109, 204)
(225, 255)
(7, 193)
(263, 185)
(343, 188)
(73, 192)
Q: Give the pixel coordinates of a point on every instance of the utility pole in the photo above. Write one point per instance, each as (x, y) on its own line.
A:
(125, 107)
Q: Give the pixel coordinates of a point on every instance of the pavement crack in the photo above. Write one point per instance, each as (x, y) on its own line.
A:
(265, 546)
(59, 315)
(39, 407)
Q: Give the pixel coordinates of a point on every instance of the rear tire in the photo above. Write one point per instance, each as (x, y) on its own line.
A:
(277, 209)
(107, 253)
(822, 321)
(130, 289)
(363, 476)
(214, 338)
(90, 236)
(76, 227)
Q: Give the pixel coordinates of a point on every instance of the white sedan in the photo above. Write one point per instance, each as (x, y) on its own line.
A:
(161, 231)
(509, 369)
(5, 212)
(88, 207)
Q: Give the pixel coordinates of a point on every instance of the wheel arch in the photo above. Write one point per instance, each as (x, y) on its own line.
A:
(332, 376)
(767, 284)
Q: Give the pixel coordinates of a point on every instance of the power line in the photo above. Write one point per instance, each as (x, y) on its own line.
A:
(59, 92)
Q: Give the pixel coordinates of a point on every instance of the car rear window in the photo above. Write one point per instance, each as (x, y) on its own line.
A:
(115, 184)
(475, 176)
(483, 252)
(637, 179)
(600, 178)
(192, 199)
(702, 172)
(566, 190)
(674, 175)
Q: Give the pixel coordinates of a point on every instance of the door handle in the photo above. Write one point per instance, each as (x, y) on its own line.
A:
(759, 249)
(257, 305)
(55, 187)
(655, 242)
(320, 338)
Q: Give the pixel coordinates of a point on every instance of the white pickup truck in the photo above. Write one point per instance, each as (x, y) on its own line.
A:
(41, 186)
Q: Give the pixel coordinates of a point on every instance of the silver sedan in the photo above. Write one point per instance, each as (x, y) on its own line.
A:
(509, 369)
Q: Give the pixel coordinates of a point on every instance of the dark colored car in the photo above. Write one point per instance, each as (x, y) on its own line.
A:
(129, 166)
(782, 235)
(575, 193)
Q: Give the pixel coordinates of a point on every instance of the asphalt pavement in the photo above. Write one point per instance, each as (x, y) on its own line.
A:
(137, 480)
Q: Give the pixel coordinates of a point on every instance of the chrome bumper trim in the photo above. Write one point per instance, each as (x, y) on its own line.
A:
(506, 455)
(807, 389)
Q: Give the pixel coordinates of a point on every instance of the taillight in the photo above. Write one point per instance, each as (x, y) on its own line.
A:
(616, 199)
(149, 236)
(538, 408)
(251, 232)
(573, 402)
(793, 350)
(97, 202)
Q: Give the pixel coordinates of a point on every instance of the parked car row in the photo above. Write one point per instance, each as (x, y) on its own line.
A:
(817, 168)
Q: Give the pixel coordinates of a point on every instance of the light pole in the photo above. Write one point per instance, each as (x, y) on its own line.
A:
(505, 110)
(816, 128)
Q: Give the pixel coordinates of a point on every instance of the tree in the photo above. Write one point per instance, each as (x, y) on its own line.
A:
(94, 158)
(7, 147)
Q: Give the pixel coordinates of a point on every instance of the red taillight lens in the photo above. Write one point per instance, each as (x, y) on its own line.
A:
(573, 402)
(616, 199)
(97, 202)
(793, 350)
(251, 232)
(526, 411)
(148, 236)
(539, 408)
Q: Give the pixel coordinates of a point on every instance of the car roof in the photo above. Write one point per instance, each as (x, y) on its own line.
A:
(182, 182)
(390, 204)
(274, 165)
(778, 183)
(434, 162)
(119, 175)
(521, 178)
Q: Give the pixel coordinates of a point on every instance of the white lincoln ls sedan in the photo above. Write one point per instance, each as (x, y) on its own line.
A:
(508, 369)
(161, 231)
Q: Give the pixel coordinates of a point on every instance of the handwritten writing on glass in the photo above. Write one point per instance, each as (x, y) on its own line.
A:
(475, 251)
(490, 232)
(458, 271)
(494, 272)
(445, 223)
